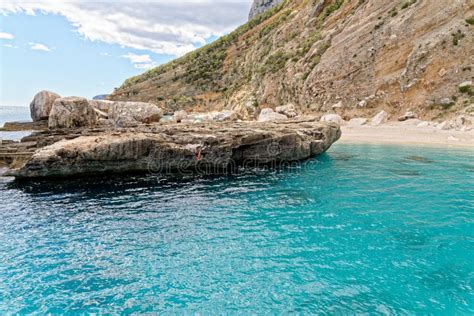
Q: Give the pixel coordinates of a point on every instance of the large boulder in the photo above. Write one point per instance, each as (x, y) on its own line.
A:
(380, 118)
(72, 112)
(134, 113)
(410, 115)
(268, 115)
(42, 104)
(332, 118)
(358, 121)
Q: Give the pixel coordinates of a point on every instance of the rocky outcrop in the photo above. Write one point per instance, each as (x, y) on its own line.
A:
(354, 57)
(42, 104)
(72, 112)
(213, 148)
(260, 6)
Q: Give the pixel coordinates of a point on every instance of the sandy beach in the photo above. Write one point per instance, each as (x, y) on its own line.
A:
(398, 133)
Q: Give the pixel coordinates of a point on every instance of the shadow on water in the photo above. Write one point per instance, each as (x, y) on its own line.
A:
(341, 156)
(105, 184)
(406, 172)
(449, 278)
(419, 159)
(409, 239)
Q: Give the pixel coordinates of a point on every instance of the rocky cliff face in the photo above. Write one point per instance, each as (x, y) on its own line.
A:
(260, 6)
(352, 57)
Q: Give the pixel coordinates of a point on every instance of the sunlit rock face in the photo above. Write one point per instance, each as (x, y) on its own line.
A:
(260, 6)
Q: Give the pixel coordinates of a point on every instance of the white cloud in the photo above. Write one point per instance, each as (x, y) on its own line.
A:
(135, 59)
(140, 61)
(7, 36)
(10, 46)
(104, 54)
(39, 46)
(160, 26)
(145, 65)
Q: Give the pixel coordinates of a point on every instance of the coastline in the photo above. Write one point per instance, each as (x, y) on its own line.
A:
(399, 134)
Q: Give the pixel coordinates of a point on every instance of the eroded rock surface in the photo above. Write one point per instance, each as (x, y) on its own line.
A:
(177, 147)
(72, 112)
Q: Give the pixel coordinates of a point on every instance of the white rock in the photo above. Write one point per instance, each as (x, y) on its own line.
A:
(443, 126)
(100, 114)
(332, 118)
(446, 101)
(226, 115)
(424, 124)
(380, 118)
(362, 104)
(268, 115)
(134, 113)
(179, 116)
(358, 121)
(338, 105)
(465, 84)
(408, 116)
(462, 122)
(42, 104)
(412, 122)
(288, 110)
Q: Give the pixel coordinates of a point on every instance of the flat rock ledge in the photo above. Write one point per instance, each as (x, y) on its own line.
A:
(177, 148)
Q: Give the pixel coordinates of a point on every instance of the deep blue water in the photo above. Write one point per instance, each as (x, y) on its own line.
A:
(14, 114)
(368, 229)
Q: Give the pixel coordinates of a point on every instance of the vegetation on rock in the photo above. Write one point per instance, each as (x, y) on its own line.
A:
(390, 55)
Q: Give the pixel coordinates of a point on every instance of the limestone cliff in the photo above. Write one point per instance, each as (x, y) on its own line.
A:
(261, 6)
(352, 57)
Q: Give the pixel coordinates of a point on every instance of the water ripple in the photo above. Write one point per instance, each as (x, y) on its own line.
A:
(366, 229)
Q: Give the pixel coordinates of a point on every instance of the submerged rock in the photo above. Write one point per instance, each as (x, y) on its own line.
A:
(213, 148)
(42, 104)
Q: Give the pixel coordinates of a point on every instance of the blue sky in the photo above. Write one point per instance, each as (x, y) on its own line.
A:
(88, 48)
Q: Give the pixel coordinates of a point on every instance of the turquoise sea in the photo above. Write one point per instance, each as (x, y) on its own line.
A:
(362, 229)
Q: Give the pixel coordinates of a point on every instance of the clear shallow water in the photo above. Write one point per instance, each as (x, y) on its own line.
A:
(14, 114)
(362, 229)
